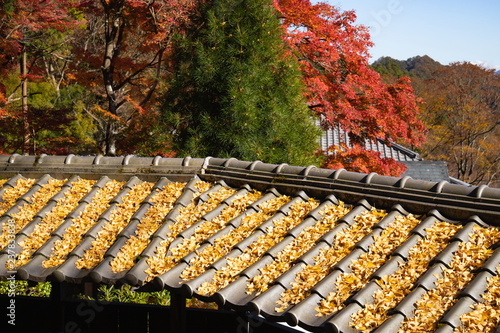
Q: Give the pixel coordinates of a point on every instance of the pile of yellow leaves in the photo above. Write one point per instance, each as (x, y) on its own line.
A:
(257, 249)
(209, 228)
(28, 211)
(396, 286)
(82, 223)
(361, 269)
(53, 219)
(189, 215)
(12, 194)
(484, 316)
(343, 243)
(223, 244)
(293, 251)
(118, 220)
(469, 256)
(162, 203)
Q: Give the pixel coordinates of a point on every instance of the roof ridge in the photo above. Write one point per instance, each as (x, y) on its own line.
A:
(455, 201)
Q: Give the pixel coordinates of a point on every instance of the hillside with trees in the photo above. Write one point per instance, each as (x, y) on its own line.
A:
(461, 109)
(419, 67)
(115, 77)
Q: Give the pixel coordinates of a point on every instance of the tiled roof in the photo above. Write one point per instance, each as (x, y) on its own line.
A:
(417, 168)
(427, 170)
(327, 250)
(336, 136)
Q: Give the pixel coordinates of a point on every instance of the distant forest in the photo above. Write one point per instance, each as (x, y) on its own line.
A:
(460, 105)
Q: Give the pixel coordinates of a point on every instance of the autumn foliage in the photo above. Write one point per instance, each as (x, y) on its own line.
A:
(107, 65)
(27, 28)
(342, 88)
(462, 112)
(23, 21)
(128, 42)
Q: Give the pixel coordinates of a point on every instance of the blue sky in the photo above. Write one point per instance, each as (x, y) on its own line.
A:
(445, 30)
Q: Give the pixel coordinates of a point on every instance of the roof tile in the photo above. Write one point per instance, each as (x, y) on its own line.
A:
(276, 240)
(452, 317)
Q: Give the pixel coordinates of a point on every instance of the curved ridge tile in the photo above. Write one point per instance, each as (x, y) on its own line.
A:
(137, 276)
(68, 272)
(25, 198)
(477, 287)
(392, 324)
(389, 267)
(492, 263)
(34, 270)
(234, 296)
(340, 322)
(102, 273)
(452, 317)
(265, 304)
(406, 307)
(304, 313)
(171, 279)
(135, 220)
(10, 183)
(403, 251)
(187, 196)
(46, 249)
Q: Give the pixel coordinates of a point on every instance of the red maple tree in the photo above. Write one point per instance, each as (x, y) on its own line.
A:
(341, 86)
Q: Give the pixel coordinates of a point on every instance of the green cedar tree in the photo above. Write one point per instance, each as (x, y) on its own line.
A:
(237, 90)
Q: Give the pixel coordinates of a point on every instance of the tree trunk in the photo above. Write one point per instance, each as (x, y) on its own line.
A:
(24, 99)
(114, 36)
(111, 131)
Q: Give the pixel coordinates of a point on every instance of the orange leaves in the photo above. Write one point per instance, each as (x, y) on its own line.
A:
(102, 113)
(461, 111)
(3, 97)
(135, 105)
